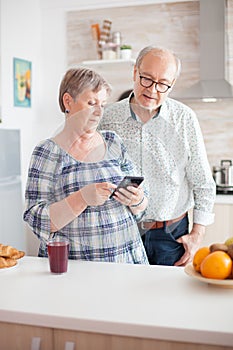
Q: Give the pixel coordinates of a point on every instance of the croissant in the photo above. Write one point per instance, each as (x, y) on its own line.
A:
(18, 255)
(7, 251)
(7, 262)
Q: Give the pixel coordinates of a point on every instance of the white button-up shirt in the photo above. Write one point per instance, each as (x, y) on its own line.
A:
(169, 152)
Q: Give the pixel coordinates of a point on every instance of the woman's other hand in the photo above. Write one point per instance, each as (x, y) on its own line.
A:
(97, 193)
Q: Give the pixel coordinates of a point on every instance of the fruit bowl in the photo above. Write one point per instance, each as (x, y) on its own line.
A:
(189, 270)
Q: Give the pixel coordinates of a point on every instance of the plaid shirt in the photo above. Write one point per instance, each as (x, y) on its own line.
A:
(102, 233)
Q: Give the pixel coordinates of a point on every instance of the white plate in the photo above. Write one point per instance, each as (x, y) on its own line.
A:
(189, 270)
(9, 268)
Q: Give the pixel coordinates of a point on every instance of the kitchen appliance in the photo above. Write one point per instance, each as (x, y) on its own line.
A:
(213, 81)
(11, 199)
(223, 176)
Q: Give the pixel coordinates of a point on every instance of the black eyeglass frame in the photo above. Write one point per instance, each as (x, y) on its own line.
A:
(154, 83)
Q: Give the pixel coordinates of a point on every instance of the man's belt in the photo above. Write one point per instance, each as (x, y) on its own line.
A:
(151, 225)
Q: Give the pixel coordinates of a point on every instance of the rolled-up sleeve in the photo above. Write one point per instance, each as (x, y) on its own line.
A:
(200, 176)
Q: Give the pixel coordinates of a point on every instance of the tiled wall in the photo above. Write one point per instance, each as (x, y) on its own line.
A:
(173, 25)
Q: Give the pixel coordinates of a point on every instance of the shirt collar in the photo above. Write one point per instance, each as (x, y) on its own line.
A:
(134, 116)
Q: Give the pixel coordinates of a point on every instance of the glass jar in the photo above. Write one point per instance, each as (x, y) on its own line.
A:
(109, 51)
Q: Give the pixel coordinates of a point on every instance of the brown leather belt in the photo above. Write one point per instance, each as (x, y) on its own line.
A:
(151, 225)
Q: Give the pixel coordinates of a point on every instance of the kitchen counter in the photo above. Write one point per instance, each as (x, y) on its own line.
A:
(224, 199)
(156, 302)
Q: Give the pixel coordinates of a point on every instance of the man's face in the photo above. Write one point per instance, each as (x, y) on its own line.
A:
(159, 69)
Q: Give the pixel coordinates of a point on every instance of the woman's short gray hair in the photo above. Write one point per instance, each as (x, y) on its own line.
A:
(158, 51)
(76, 80)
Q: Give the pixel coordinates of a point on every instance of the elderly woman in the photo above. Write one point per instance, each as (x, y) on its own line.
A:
(72, 175)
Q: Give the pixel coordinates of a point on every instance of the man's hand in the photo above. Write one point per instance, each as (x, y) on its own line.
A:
(191, 243)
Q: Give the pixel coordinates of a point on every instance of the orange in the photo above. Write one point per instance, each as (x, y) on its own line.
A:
(216, 265)
(199, 256)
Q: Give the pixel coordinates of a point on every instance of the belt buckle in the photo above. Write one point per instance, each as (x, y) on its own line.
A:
(146, 222)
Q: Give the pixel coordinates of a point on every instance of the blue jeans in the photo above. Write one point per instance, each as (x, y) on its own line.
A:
(161, 246)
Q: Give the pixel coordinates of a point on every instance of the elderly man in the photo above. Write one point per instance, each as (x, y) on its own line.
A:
(164, 140)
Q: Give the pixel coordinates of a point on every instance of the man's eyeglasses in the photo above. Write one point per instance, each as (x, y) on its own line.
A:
(147, 82)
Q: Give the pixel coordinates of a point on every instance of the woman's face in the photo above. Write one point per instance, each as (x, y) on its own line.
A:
(87, 109)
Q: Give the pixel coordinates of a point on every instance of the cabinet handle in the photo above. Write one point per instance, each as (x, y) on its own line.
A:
(69, 345)
(35, 345)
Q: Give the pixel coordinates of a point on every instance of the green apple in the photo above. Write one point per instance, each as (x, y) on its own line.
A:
(229, 241)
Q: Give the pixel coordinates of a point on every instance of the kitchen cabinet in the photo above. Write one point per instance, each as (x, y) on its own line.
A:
(70, 340)
(117, 72)
(11, 204)
(24, 337)
(222, 228)
(18, 337)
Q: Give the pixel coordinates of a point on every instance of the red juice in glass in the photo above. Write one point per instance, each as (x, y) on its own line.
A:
(58, 251)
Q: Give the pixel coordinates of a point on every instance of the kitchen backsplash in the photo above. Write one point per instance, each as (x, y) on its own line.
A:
(216, 121)
(173, 25)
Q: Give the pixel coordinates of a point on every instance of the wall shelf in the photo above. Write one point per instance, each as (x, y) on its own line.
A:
(108, 62)
(118, 73)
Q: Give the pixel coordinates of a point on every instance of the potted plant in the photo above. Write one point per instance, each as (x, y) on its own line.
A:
(126, 52)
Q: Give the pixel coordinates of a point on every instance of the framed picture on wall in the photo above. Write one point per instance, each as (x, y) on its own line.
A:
(22, 82)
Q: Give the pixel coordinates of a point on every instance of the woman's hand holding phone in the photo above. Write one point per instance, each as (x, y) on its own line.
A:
(128, 181)
(129, 191)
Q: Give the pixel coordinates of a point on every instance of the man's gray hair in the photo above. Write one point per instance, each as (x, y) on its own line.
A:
(158, 51)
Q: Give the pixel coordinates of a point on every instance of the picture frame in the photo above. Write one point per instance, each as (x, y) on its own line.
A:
(22, 82)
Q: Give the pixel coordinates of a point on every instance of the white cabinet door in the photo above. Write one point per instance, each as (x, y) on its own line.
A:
(11, 213)
(222, 228)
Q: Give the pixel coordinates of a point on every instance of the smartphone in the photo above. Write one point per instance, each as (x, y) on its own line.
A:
(129, 181)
